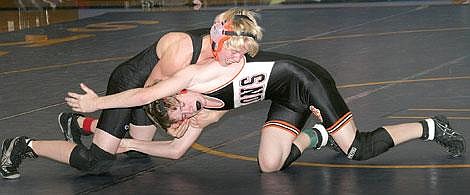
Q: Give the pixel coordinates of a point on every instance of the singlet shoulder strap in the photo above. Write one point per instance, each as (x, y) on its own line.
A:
(196, 37)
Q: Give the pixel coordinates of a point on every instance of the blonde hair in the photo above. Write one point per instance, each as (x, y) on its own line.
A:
(243, 22)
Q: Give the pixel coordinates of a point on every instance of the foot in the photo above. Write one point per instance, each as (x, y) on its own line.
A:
(446, 136)
(69, 126)
(14, 150)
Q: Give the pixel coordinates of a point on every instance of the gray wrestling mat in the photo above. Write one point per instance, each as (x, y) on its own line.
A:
(392, 63)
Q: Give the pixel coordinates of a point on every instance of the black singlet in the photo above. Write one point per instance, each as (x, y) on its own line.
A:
(292, 84)
(132, 74)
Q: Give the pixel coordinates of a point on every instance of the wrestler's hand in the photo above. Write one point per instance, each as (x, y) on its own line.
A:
(82, 102)
(178, 129)
(205, 118)
(316, 113)
(123, 146)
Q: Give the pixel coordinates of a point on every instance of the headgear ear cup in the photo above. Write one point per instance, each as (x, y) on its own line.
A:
(221, 32)
(218, 36)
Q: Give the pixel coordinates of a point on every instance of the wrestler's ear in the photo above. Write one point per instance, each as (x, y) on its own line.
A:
(213, 102)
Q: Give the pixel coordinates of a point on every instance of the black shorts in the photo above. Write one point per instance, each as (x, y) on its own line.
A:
(128, 75)
(323, 95)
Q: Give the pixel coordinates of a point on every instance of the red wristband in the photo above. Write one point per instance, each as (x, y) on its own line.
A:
(87, 125)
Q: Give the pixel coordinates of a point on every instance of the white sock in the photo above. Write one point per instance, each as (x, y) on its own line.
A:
(30, 143)
(431, 128)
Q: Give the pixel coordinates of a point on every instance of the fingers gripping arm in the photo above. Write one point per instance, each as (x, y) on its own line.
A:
(177, 130)
(207, 117)
(201, 120)
(176, 148)
(173, 149)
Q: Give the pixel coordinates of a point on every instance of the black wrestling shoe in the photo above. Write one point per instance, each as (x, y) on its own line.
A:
(14, 150)
(69, 126)
(445, 136)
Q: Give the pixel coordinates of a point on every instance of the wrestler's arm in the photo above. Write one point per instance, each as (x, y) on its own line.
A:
(172, 149)
(141, 96)
(201, 120)
(176, 148)
(175, 52)
(90, 102)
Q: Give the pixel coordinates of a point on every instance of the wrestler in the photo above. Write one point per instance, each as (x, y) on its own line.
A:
(296, 87)
(160, 61)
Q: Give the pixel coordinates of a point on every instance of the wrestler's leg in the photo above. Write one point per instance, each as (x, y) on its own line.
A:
(142, 132)
(400, 133)
(98, 158)
(95, 160)
(364, 145)
(48, 149)
(141, 127)
(106, 141)
(88, 124)
(275, 146)
(404, 132)
(344, 137)
(75, 125)
(14, 150)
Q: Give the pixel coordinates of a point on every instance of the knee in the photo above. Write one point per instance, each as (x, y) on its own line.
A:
(93, 161)
(142, 132)
(370, 144)
(268, 164)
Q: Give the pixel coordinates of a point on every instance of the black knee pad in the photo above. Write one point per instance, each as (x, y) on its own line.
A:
(293, 155)
(93, 161)
(370, 144)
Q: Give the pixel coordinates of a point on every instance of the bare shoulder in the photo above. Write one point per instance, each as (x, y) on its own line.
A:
(175, 48)
(175, 38)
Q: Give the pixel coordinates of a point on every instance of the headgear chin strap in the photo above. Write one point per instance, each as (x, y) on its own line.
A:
(221, 32)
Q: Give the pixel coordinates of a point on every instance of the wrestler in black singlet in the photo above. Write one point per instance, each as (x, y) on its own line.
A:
(292, 84)
(132, 74)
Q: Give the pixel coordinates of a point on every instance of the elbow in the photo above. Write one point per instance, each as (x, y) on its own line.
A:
(177, 152)
(175, 156)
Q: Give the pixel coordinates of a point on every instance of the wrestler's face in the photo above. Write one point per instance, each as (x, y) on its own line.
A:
(229, 56)
(188, 105)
